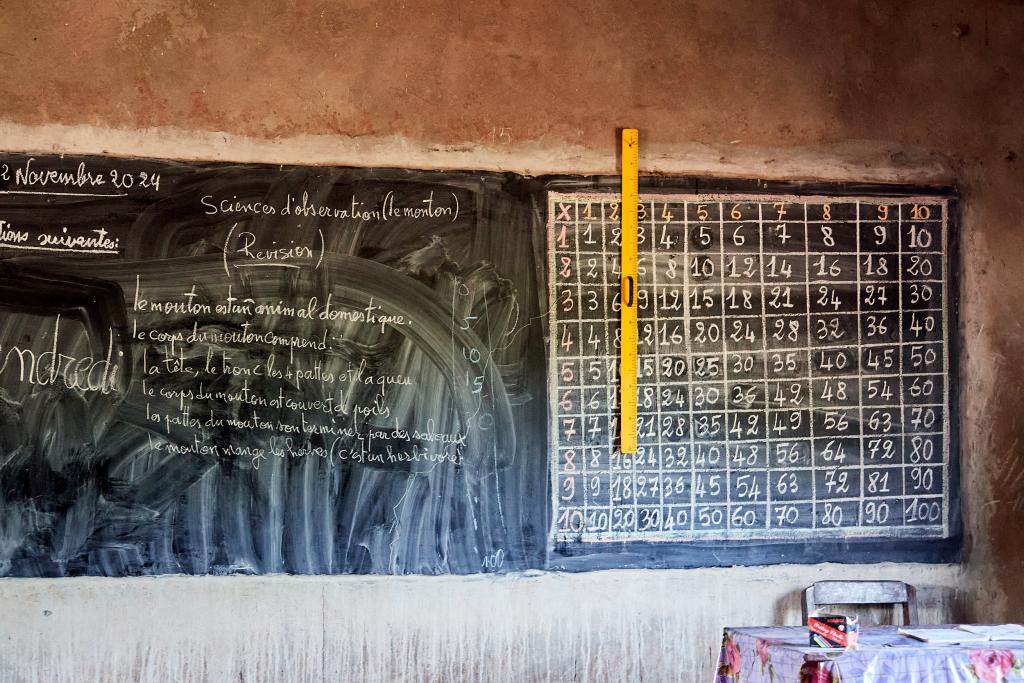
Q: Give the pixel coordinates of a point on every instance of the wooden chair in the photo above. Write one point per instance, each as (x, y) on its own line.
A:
(863, 593)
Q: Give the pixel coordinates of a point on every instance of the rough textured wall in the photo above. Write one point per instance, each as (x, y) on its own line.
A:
(908, 91)
(924, 74)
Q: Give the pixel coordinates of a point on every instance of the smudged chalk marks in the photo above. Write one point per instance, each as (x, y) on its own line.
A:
(245, 369)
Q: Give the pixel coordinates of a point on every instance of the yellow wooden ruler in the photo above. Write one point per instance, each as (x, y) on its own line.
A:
(627, 320)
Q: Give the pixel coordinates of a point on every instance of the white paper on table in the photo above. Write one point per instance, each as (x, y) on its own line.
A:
(949, 636)
(999, 632)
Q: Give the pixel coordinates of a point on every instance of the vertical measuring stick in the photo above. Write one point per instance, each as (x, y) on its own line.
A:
(627, 319)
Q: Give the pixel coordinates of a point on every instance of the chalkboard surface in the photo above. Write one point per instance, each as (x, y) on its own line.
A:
(252, 369)
(223, 369)
(794, 374)
(793, 357)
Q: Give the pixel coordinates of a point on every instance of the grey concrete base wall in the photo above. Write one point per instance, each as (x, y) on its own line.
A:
(599, 626)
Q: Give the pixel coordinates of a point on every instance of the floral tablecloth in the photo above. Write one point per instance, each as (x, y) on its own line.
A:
(780, 655)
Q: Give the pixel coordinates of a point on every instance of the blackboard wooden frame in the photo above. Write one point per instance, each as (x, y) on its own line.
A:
(662, 554)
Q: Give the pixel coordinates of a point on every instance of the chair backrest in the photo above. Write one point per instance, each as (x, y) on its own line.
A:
(863, 593)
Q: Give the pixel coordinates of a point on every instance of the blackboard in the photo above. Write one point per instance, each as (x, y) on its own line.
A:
(266, 369)
(795, 376)
(229, 369)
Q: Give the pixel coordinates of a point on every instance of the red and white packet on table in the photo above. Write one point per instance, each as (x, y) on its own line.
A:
(833, 630)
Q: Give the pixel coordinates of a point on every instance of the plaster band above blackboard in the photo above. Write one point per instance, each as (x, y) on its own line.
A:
(217, 368)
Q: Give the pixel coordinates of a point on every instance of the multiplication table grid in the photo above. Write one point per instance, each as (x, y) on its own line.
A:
(793, 372)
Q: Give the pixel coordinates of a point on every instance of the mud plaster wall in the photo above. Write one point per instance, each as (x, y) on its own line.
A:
(884, 91)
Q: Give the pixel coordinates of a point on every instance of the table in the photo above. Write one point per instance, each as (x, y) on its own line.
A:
(780, 654)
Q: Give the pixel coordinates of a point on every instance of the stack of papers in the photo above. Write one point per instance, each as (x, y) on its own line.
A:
(967, 633)
(1001, 632)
